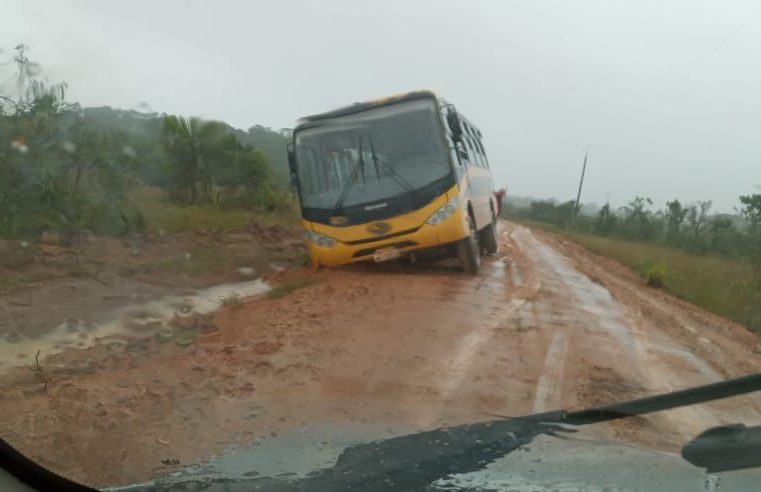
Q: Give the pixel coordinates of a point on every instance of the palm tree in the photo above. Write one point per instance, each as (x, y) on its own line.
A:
(192, 146)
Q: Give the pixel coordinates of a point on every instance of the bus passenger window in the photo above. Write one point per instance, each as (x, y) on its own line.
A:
(479, 154)
(474, 152)
(483, 153)
(463, 152)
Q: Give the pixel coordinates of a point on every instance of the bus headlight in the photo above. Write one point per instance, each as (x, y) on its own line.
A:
(444, 212)
(321, 239)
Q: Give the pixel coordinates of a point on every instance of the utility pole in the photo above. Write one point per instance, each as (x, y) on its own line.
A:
(581, 183)
(23, 71)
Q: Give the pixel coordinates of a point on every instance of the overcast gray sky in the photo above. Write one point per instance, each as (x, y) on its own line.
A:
(666, 95)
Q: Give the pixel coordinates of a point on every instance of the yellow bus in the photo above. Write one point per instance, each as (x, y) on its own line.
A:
(390, 178)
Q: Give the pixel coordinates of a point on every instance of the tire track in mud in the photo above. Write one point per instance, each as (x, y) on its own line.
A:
(400, 348)
(499, 276)
(459, 365)
(643, 357)
(549, 387)
(511, 274)
(607, 321)
(476, 309)
(457, 338)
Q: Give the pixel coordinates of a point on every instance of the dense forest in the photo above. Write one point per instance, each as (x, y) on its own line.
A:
(67, 169)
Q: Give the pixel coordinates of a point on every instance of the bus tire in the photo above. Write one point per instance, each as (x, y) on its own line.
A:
(468, 250)
(489, 239)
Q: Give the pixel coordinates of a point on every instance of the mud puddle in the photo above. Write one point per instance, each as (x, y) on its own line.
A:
(158, 318)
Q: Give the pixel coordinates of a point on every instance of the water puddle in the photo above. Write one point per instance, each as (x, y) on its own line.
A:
(158, 318)
(516, 275)
(496, 274)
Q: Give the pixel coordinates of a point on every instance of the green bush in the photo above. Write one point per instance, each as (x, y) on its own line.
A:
(290, 286)
(653, 273)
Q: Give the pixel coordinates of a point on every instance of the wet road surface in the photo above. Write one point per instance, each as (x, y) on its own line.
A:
(393, 349)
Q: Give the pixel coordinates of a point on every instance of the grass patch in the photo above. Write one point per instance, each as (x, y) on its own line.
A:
(232, 301)
(286, 288)
(654, 274)
(11, 283)
(77, 270)
(163, 216)
(721, 285)
(286, 217)
(213, 220)
(539, 225)
(304, 260)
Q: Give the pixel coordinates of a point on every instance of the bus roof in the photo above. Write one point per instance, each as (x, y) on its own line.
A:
(308, 121)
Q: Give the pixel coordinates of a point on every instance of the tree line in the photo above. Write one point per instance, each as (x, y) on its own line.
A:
(62, 171)
(690, 227)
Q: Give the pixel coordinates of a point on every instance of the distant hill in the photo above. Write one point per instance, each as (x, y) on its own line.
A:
(270, 142)
(147, 125)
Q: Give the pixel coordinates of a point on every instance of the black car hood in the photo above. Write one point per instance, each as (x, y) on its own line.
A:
(519, 455)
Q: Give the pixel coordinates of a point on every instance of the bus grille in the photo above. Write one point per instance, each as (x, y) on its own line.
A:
(381, 238)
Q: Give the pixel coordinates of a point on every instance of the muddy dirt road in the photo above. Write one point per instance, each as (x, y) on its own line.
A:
(546, 325)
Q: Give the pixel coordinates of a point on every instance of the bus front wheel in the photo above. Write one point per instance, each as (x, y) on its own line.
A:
(468, 250)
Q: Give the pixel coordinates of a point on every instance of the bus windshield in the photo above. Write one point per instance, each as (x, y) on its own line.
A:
(372, 155)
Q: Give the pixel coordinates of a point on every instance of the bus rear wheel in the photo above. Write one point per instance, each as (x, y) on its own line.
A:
(468, 250)
(489, 239)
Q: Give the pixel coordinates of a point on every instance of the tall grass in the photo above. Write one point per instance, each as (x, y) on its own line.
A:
(721, 285)
(162, 215)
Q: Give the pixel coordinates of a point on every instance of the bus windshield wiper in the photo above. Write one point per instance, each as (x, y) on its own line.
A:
(359, 167)
(347, 187)
(398, 178)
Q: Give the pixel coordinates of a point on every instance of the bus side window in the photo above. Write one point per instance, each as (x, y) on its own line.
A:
(455, 147)
(469, 148)
(474, 151)
(477, 151)
(469, 137)
(483, 153)
(463, 151)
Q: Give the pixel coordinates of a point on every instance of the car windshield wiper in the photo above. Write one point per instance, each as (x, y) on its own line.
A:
(719, 449)
(657, 403)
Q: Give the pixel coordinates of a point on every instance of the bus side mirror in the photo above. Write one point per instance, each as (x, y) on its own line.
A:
(454, 125)
(291, 159)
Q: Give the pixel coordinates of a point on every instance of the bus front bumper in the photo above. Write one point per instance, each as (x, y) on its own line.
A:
(427, 236)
